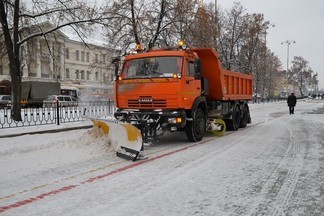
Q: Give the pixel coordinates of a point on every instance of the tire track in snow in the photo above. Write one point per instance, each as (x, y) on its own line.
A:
(294, 163)
(278, 189)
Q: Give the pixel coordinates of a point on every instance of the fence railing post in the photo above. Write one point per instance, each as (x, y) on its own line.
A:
(57, 113)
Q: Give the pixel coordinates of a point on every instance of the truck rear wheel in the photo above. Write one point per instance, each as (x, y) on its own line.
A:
(196, 128)
(244, 120)
(234, 123)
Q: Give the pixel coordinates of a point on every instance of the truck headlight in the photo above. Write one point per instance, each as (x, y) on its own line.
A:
(177, 120)
(176, 75)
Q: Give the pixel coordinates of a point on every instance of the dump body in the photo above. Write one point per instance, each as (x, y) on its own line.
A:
(33, 92)
(223, 84)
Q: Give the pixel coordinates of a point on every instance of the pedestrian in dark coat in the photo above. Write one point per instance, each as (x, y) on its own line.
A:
(291, 101)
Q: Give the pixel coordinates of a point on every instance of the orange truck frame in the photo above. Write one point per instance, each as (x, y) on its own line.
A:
(180, 90)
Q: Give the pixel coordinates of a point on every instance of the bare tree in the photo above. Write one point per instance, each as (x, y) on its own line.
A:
(301, 75)
(20, 23)
(241, 43)
(273, 65)
(203, 27)
(128, 25)
(157, 21)
(253, 38)
(231, 34)
(182, 12)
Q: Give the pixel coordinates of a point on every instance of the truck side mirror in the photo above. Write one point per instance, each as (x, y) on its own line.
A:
(197, 69)
(116, 61)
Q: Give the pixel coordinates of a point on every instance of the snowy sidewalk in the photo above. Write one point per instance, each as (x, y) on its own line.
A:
(51, 128)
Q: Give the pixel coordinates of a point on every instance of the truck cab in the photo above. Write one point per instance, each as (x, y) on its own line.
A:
(157, 89)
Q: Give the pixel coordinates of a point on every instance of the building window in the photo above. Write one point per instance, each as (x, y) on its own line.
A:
(77, 53)
(96, 58)
(82, 74)
(82, 56)
(103, 58)
(77, 74)
(88, 75)
(67, 73)
(67, 53)
(1, 70)
(88, 57)
(97, 76)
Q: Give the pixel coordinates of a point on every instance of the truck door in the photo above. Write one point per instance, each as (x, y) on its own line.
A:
(191, 86)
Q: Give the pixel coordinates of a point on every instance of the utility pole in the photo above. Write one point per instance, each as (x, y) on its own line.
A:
(288, 43)
(265, 60)
(216, 8)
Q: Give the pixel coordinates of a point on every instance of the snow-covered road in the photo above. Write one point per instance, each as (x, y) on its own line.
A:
(274, 166)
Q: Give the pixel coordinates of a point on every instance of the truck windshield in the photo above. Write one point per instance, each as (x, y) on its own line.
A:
(152, 67)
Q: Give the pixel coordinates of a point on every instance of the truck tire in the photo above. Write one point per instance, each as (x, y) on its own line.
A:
(244, 119)
(234, 123)
(196, 128)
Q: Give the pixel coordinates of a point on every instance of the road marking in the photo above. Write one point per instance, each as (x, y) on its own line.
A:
(93, 179)
(61, 180)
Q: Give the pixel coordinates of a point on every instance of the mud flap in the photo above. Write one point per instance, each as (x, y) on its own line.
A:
(126, 138)
(216, 127)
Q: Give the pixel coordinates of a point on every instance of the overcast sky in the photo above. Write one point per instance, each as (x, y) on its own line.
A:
(298, 20)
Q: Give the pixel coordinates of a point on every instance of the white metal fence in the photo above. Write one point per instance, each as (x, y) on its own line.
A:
(57, 115)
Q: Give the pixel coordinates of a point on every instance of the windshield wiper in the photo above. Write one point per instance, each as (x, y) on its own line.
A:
(157, 72)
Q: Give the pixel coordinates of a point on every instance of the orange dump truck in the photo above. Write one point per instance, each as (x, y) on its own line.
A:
(181, 90)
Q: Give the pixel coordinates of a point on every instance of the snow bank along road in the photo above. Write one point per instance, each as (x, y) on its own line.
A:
(275, 166)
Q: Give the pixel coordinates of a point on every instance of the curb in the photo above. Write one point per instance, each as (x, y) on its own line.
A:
(46, 131)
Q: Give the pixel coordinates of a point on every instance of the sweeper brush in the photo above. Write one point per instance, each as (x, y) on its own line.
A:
(216, 127)
(126, 138)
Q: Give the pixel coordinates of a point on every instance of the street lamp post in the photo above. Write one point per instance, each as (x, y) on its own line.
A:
(288, 42)
(265, 59)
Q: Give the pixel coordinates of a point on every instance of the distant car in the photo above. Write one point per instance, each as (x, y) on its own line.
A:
(63, 100)
(5, 101)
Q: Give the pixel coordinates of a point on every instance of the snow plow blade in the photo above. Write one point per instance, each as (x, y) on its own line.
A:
(126, 138)
(127, 153)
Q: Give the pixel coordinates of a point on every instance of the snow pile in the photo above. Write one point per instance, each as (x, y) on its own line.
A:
(51, 151)
(102, 141)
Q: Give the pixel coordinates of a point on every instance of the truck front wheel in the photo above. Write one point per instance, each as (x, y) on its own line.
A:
(196, 128)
